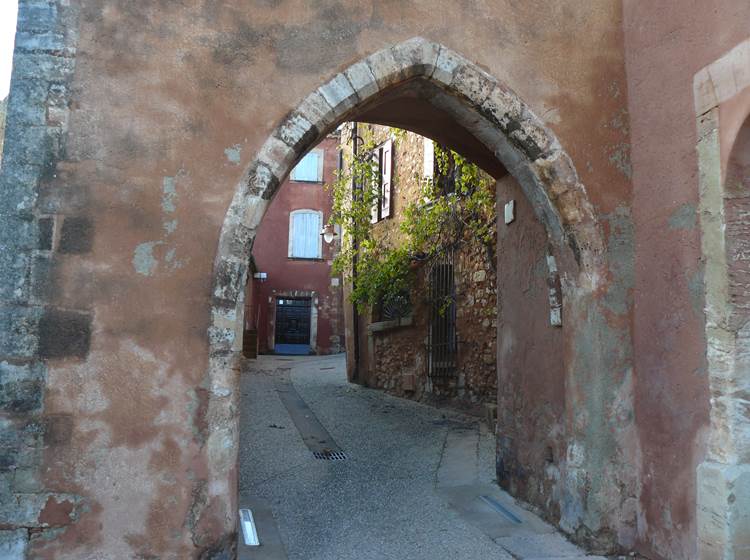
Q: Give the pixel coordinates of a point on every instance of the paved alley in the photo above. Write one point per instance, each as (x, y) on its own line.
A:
(416, 483)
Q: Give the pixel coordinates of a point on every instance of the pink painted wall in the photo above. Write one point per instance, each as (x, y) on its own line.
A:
(666, 43)
(287, 275)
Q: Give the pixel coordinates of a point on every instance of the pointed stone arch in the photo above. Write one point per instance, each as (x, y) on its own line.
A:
(484, 106)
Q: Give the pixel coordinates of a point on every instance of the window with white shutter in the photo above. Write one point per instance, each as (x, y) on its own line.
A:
(428, 163)
(383, 161)
(305, 241)
(375, 208)
(386, 171)
(310, 168)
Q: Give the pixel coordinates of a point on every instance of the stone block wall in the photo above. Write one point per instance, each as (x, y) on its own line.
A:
(39, 227)
(397, 354)
(476, 322)
(395, 358)
(3, 110)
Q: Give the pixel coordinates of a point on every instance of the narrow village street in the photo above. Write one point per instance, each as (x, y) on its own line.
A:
(416, 482)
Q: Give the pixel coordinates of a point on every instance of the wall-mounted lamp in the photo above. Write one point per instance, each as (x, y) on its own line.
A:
(329, 233)
(262, 276)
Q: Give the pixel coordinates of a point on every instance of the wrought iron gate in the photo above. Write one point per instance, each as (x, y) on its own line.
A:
(442, 355)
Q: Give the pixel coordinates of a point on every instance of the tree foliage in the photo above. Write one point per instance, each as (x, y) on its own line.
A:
(455, 207)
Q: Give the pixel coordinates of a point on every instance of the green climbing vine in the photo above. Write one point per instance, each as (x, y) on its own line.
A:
(455, 207)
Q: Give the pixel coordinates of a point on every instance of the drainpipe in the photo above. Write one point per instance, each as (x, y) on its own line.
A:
(355, 243)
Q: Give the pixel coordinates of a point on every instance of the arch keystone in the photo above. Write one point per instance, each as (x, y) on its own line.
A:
(385, 68)
(339, 94)
(417, 56)
(362, 79)
(446, 65)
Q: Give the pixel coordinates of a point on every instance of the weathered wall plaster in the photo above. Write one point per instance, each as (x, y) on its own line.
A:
(163, 313)
(667, 44)
(130, 448)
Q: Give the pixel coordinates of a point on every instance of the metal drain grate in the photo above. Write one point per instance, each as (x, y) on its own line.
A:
(330, 455)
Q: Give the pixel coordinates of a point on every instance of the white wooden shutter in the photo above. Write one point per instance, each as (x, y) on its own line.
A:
(307, 168)
(312, 240)
(299, 231)
(428, 164)
(310, 168)
(375, 186)
(306, 233)
(386, 172)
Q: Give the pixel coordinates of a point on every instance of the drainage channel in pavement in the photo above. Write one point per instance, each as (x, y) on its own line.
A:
(313, 433)
(460, 481)
(318, 441)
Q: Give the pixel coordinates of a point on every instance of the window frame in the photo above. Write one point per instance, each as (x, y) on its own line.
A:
(384, 156)
(290, 248)
(321, 159)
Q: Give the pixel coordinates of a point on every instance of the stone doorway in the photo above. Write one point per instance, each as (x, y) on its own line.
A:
(293, 325)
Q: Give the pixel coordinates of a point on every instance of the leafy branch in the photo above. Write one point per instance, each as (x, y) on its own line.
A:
(454, 208)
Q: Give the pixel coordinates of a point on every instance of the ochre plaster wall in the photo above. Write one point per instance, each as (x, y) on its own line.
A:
(531, 424)
(666, 45)
(168, 103)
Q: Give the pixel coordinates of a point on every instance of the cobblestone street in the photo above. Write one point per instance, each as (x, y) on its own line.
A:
(417, 483)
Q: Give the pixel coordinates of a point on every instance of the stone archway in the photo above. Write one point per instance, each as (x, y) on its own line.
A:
(722, 102)
(499, 120)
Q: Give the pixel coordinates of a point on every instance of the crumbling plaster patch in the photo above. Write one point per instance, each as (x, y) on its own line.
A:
(144, 441)
(684, 217)
(234, 154)
(145, 259)
(144, 262)
(620, 250)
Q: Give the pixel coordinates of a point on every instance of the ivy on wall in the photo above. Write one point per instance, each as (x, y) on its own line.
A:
(455, 207)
